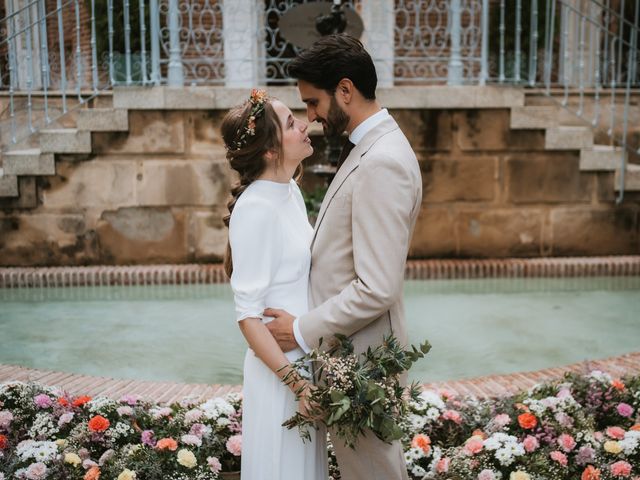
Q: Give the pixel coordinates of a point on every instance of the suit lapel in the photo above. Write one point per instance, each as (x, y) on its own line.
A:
(350, 164)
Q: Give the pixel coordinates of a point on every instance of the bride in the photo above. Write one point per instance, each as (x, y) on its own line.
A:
(268, 260)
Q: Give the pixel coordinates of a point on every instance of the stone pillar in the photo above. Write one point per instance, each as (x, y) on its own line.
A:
(26, 44)
(378, 37)
(241, 22)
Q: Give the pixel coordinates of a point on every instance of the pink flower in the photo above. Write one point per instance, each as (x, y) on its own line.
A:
(443, 465)
(65, 418)
(625, 409)
(234, 445)
(615, 432)
(564, 393)
(43, 400)
(192, 416)
(621, 469)
(130, 399)
(530, 443)
(453, 416)
(147, 438)
(487, 474)
(447, 394)
(198, 429)
(124, 411)
(6, 417)
(36, 471)
(566, 442)
(502, 419)
(214, 464)
(473, 446)
(559, 457)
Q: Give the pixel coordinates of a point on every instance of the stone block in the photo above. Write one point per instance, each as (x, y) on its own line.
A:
(533, 117)
(435, 233)
(208, 236)
(605, 186)
(631, 178)
(546, 178)
(27, 197)
(149, 132)
(601, 157)
(447, 179)
(28, 162)
(182, 182)
(103, 120)
(612, 230)
(443, 96)
(8, 185)
(426, 130)
(138, 98)
(203, 134)
(45, 239)
(489, 130)
(143, 235)
(65, 140)
(568, 138)
(92, 184)
(500, 233)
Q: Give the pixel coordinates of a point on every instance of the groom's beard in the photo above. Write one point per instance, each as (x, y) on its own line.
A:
(336, 121)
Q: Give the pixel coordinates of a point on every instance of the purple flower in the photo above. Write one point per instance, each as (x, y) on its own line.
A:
(585, 455)
(6, 417)
(147, 438)
(43, 400)
(625, 409)
(197, 429)
(65, 418)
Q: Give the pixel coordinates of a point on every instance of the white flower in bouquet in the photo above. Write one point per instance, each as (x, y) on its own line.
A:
(601, 377)
(41, 451)
(630, 442)
(96, 405)
(43, 426)
(215, 407)
(417, 422)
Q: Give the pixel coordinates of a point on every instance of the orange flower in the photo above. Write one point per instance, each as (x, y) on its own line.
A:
(636, 428)
(618, 384)
(167, 444)
(98, 424)
(590, 473)
(422, 442)
(63, 401)
(527, 420)
(92, 474)
(479, 433)
(80, 401)
(3, 442)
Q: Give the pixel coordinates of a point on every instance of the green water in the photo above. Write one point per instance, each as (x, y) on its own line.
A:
(188, 333)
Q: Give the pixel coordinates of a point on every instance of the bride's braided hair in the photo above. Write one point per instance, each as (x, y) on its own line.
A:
(248, 136)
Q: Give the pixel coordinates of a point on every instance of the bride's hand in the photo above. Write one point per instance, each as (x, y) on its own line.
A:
(304, 405)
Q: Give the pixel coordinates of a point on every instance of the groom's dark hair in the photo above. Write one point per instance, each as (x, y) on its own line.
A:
(333, 58)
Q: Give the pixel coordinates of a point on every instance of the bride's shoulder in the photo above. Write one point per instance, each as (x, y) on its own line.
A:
(252, 206)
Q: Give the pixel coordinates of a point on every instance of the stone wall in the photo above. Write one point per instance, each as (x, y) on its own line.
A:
(157, 194)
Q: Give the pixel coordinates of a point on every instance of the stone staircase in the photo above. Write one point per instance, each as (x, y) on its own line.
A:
(19, 167)
(593, 158)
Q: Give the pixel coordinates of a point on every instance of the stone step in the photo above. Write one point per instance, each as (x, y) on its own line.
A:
(568, 138)
(65, 140)
(8, 185)
(103, 120)
(601, 157)
(534, 117)
(28, 162)
(631, 179)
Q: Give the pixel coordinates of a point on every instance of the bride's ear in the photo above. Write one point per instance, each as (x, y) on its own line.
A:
(271, 157)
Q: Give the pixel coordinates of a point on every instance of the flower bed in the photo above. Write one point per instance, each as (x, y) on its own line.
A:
(580, 427)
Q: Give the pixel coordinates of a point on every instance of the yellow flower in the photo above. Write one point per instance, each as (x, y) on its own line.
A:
(612, 447)
(127, 475)
(72, 458)
(186, 458)
(61, 443)
(519, 476)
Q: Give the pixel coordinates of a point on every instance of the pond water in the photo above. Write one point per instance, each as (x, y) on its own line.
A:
(188, 333)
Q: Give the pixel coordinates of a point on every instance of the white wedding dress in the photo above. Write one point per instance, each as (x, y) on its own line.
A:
(270, 239)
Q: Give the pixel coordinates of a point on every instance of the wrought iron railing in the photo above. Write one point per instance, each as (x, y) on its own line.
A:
(57, 54)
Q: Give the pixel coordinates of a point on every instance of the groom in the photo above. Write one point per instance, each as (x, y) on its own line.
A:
(362, 233)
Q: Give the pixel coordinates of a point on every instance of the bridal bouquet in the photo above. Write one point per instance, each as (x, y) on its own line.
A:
(357, 392)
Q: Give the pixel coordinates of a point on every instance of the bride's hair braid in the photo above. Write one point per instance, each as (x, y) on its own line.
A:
(245, 153)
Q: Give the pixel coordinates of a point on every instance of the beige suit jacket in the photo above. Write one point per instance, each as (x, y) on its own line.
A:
(360, 243)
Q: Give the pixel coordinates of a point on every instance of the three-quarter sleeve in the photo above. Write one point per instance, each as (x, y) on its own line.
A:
(256, 238)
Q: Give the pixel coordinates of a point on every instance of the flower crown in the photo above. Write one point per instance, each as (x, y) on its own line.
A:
(257, 99)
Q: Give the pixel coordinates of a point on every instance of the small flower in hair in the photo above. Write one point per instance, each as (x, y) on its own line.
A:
(257, 99)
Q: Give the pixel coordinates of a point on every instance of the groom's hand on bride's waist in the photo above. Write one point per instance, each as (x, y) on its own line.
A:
(281, 327)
